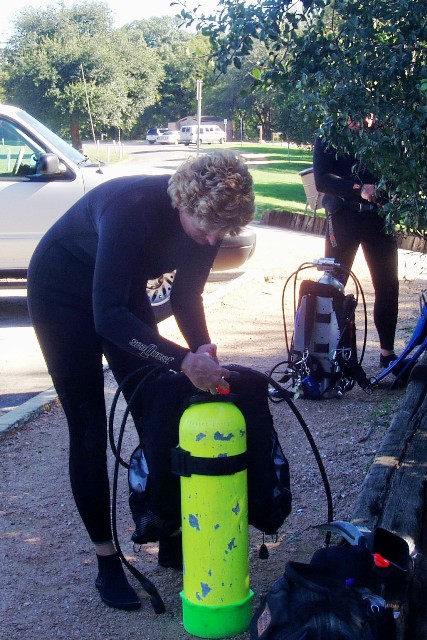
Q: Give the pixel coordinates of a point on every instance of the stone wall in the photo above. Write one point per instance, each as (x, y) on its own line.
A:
(317, 225)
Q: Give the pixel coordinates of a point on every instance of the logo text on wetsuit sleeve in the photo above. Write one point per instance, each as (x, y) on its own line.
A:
(150, 351)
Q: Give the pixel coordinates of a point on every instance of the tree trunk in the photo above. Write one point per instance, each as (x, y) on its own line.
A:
(75, 135)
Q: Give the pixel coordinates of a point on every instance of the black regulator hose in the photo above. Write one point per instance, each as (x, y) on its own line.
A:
(286, 396)
(150, 372)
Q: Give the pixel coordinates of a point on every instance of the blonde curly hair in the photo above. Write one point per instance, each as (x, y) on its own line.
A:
(216, 189)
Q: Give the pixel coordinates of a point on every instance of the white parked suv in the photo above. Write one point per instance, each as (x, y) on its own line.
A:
(41, 176)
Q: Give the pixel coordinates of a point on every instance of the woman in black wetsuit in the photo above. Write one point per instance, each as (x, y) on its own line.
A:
(87, 298)
(353, 221)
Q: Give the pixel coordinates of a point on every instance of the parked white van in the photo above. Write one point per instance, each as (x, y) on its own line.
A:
(209, 133)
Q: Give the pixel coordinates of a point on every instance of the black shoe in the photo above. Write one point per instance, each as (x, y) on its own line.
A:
(385, 361)
(113, 585)
(170, 552)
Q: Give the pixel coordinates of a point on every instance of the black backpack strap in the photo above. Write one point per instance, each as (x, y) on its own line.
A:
(185, 464)
(147, 585)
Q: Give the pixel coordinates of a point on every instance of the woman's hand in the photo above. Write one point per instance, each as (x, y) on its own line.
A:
(204, 370)
(369, 192)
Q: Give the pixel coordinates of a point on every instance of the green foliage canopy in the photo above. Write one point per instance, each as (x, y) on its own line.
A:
(185, 59)
(348, 59)
(60, 58)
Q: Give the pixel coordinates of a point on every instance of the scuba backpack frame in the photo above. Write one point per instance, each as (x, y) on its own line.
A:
(322, 359)
(352, 534)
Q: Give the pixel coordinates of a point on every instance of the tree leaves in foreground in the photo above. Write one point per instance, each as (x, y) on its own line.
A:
(348, 59)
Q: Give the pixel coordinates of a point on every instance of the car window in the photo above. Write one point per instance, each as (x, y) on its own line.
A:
(18, 153)
(64, 147)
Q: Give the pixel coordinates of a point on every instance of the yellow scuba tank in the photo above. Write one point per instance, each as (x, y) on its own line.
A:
(216, 597)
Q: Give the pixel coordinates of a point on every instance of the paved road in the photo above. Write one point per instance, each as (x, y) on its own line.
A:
(23, 371)
(157, 158)
(152, 157)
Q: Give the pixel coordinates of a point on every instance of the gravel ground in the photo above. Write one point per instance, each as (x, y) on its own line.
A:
(48, 568)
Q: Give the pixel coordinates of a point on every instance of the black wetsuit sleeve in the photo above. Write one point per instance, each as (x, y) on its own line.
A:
(186, 298)
(333, 175)
(121, 310)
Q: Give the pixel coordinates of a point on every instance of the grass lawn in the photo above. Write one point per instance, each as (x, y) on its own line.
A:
(275, 169)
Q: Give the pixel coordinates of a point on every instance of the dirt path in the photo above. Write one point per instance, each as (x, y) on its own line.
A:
(47, 565)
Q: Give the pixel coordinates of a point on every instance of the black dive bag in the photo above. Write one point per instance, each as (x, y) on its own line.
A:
(154, 491)
(316, 602)
(354, 590)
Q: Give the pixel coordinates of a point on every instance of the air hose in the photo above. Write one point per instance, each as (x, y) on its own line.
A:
(150, 372)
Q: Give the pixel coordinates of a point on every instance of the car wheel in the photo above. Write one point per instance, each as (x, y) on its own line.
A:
(159, 289)
(151, 141)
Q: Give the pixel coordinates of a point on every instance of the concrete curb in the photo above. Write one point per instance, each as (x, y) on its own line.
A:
(28, 410)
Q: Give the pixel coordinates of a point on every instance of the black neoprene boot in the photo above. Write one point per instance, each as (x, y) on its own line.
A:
(170, 552)
(113, 585)
(385, 361)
